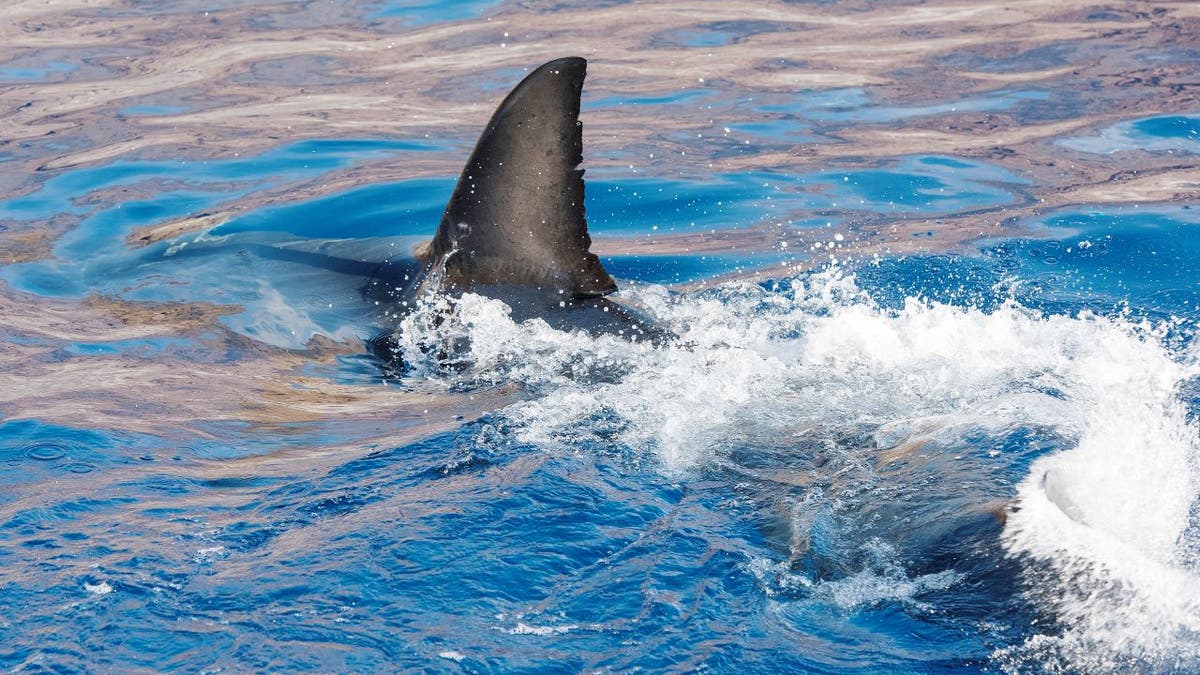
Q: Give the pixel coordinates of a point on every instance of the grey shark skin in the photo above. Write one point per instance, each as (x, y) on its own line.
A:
(514, 228)
(516, 216)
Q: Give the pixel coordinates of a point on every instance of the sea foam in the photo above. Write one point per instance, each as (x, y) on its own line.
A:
(1104, 526)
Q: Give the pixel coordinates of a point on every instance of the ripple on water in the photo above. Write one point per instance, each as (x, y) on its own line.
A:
(1145, 258)
(40, 448)
(46, 452)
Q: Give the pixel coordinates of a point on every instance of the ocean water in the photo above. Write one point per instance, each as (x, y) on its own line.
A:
(931, 402)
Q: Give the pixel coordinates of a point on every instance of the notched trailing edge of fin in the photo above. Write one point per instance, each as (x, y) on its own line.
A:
(516, 217)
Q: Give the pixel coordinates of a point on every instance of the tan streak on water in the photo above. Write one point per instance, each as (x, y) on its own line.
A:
(409, 82)
(164, 394)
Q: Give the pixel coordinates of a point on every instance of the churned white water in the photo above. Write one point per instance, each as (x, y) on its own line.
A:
(1111, 523)
(1104, 526)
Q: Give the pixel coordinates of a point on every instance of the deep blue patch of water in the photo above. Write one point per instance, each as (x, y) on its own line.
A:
(1140, 259)
(682, 96)
(1171, 126)
(410, 208)
(38, 453)
(424, 12)
(631, 206)
(928, 184)
(1114, 262)
(1167, 134)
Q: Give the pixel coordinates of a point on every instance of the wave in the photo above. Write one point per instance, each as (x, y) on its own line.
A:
(810, 387)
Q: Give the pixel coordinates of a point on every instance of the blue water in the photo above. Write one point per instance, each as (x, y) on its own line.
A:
(54, 68)
(498, 553)
(856, 105)
(153, 110)
(816, 477)
(1166, 134)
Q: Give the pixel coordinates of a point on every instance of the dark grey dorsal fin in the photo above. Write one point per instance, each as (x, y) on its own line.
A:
(516, 217)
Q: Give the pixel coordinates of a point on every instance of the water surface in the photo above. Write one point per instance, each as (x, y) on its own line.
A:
(931, 406)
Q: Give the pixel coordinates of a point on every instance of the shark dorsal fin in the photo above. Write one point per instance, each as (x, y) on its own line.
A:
(516, 217)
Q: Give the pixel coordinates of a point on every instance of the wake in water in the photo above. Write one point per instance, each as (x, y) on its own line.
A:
(1040, 467)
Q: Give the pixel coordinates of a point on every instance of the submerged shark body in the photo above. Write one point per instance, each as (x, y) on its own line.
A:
(514, 228)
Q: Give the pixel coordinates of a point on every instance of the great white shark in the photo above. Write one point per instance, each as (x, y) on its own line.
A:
(515, 228)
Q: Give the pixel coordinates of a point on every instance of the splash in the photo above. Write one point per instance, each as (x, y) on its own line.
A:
(1108, 528)
(810, 387)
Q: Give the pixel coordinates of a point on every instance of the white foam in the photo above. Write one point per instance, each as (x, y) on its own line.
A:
(209, 554)
(869, 588)
(1107, 521)
(1103, 522)
(882, 579)
(821, 355)
(100, 589)
(525, 629)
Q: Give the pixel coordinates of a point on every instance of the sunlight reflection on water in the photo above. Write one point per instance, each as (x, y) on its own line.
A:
(209, 471)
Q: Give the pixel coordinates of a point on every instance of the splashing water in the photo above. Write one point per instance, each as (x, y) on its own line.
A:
(961, 459)
(906, 407)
